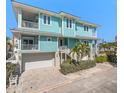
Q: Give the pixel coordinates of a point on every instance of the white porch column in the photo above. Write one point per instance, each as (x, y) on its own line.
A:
(20, 41)
(75, 32)
(96, 48)
(39, 21)
(57, 44)
(19, 15)
(39, 42)
(62, 32)
(91, 51)
(20, 61)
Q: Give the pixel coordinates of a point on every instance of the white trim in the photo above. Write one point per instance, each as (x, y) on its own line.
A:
(39, 42)
(46, 20)
(69, 23)
(39, 21)
(20, 41)
(57, 44)
(62, 26)
(19, 15)
(29, 28)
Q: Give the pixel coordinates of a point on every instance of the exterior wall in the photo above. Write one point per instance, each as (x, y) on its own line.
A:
(55, 25)
(80, 30)
(48, 46)
(72, 42)
(68, 32)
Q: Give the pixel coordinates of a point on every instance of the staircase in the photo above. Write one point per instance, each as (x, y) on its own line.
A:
(12, 59)
(66, 50)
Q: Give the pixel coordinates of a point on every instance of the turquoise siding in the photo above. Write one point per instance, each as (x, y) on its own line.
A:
(68, 32)
(55, 25)
(72, 42)
(48, 46)
(80, 30)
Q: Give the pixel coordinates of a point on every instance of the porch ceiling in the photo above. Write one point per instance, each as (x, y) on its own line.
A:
(87, 38)
(34, 32)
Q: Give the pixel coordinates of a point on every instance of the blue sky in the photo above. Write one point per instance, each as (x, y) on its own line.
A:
(102, 12)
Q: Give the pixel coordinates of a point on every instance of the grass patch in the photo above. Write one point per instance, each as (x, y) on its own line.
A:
(101, 59)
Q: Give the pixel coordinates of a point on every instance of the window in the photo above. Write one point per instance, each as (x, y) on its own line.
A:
(49, 39)
(69, 23)
(86, 28)
(94, 30)
(46, 19)
(86, 42)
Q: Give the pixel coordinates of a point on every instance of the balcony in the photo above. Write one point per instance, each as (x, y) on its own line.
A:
(29, 19)
(29, 46)
(29, 24)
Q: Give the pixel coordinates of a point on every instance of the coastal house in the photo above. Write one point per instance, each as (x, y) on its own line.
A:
(45, 38)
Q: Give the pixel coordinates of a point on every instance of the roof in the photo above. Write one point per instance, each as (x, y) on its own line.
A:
(52, 13)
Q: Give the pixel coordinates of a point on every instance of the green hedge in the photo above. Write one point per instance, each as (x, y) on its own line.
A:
(67, 67)
(10, 68)
(101, 59)
(112, 58)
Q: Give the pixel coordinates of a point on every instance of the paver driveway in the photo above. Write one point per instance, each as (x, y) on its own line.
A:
(40, 79)
(100, 79)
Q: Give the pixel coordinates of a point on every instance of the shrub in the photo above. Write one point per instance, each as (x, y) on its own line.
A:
(112, 58)
(101, 59)
(10, 68)
(67, 67)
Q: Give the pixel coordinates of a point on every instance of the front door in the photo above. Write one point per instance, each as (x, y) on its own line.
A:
(61, 42)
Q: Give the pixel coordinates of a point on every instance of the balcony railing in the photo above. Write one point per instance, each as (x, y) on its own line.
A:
(29, 24)
(29, 46)
(94, 34)
(61, 48)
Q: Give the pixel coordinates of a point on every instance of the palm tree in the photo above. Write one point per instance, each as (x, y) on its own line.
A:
(80, 50)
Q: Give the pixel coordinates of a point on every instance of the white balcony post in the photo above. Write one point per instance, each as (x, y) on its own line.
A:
(39, 21)
(74, 28)
(62, 26)
(19, 18)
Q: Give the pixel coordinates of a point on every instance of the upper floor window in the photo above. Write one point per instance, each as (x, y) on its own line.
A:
(86, 28)
(69, 23)
(94, 30)
(46, 19)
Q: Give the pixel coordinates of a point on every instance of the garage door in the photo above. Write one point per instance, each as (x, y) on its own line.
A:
(37, 60)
